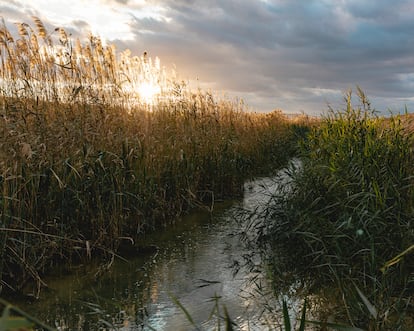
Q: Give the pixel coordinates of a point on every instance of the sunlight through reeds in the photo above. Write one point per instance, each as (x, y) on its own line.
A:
(53, 67)
(86, 161)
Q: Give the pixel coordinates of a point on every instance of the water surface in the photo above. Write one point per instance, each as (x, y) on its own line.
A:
(194, 266)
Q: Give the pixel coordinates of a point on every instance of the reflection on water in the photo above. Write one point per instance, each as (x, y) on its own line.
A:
(192, 266)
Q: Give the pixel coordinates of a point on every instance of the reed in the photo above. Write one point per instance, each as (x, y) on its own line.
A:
(86, 162)
(50, 66)
(346, 212)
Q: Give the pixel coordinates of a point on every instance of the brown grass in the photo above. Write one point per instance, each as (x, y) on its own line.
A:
(84, 163)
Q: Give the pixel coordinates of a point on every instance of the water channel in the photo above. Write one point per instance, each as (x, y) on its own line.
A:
(192, 267)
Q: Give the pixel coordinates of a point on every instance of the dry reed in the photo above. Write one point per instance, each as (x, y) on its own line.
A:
(84, 163)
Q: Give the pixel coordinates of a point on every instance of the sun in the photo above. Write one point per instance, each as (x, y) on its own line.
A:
(148, 92)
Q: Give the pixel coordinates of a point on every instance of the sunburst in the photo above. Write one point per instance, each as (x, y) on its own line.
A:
(148, 92)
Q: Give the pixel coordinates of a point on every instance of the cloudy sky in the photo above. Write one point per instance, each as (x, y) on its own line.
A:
(294, 55)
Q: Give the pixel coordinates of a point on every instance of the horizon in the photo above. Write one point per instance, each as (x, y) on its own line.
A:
(270, 54)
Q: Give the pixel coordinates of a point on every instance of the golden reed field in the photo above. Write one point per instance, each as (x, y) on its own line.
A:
(100, 146)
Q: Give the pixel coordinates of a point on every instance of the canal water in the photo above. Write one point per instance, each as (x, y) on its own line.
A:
(195, 274)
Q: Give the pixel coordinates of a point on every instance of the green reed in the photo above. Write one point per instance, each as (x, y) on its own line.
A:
(345, 212)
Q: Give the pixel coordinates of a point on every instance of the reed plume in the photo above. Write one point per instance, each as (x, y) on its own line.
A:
(85, 163)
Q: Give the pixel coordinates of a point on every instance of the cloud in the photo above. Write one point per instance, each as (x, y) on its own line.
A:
(277, 47)
(295, 55)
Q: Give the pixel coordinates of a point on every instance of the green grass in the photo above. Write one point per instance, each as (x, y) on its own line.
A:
(13, 318)
(346, 213)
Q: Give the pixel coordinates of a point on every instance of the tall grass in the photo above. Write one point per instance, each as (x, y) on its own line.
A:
(38, 64)
(86, 164)
(348, 211)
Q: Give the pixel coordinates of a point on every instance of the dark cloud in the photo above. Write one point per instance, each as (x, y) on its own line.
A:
(78, 28)
(295, 55)
(122, 2)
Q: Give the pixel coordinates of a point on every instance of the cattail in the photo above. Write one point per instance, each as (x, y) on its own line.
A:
(78, 47)
(22, 29)
(34, 43)
(7, 37)
(41, 30)
(63, 37)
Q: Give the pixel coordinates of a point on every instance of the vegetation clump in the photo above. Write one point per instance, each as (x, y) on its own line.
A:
(345, 213)
(89, 160)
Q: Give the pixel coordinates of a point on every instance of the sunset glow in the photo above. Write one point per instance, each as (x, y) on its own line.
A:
(148, 92)
(295, 56)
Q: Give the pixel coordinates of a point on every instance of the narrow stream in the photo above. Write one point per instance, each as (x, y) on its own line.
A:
(192, 268)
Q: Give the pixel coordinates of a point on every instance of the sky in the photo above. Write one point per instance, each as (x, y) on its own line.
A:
(295, 55)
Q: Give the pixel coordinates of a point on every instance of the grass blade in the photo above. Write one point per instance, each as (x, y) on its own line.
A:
(185, 311)
(303, 318)
(372, 310)
(286, 318)
(396, 259)
(229, 322)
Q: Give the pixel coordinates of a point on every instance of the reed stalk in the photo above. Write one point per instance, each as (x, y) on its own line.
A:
(85, 161)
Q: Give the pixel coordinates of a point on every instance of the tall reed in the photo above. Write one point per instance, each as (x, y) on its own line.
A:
(50, 66)
(85, 163)
(346, 212)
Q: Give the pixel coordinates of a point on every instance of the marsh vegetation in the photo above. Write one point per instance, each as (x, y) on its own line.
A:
(99, 147)
(342, 225)
(89, 160)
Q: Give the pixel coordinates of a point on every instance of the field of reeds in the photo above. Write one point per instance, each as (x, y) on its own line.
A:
(87, 162)
(343, 223)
